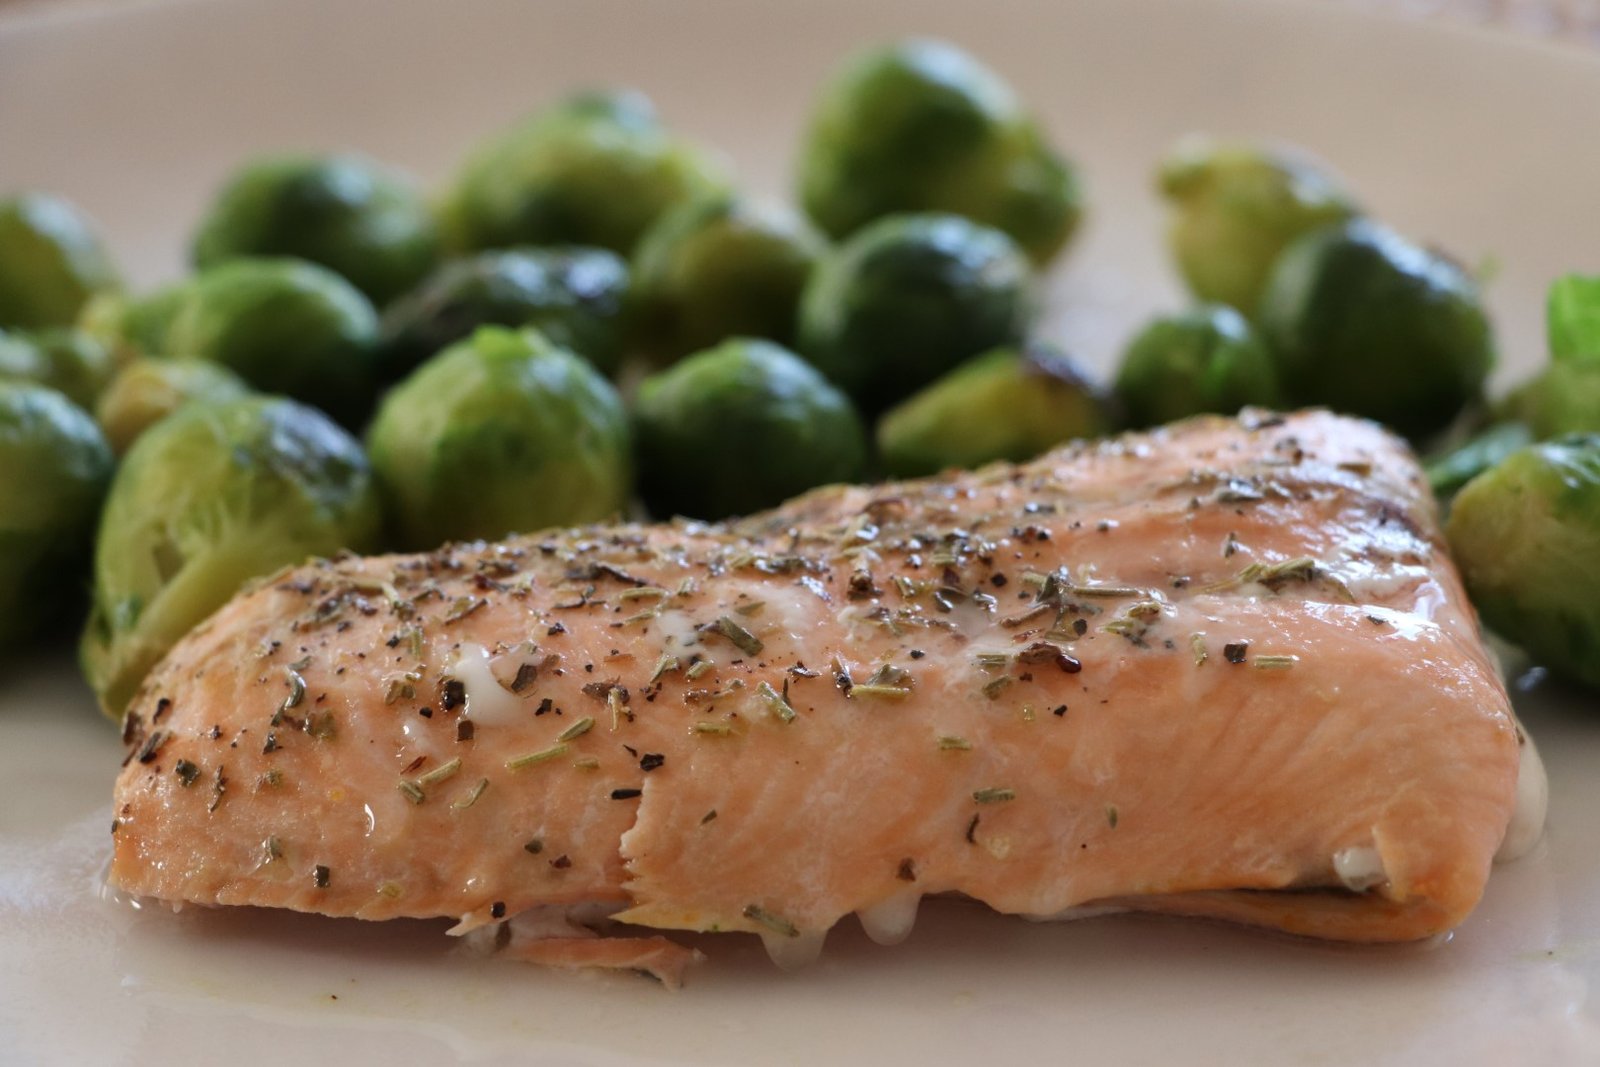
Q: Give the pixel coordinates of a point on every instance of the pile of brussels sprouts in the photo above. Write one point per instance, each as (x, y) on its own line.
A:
(592, 317)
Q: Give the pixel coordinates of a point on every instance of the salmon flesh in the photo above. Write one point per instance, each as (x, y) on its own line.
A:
(1221, 669)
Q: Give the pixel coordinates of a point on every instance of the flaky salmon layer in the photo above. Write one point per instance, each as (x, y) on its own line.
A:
(1221, 669)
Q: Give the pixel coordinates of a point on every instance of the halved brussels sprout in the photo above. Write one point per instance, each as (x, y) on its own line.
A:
(596, 169)
(741, 427)
(921, 125)
(717, 268)
(1236, 207)
(1526, 535)
(1363, 321)
(206, 500)
(54, 466)
(501, 433)
(576, 297)
(908, 298)
(1207, 359)
(358, 218)
(51, 262)
(1006, 404)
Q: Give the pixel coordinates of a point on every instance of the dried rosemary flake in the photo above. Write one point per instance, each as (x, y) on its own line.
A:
(643, 592)
(750, 608)
(775, 702)
(664, 665)
(696, 670)
(993, 687)
(742, 639)
(879, 692)
(618, 704)
(586, 763)
(543, 755)
(440, 773)
(716, 729)
(402, 686)
(470, 797)
(951, 743)
(1275, 663)
(994, 661)
(642, 616)
(775, 923)
(993, 795)
(1111, 816)
(412, 792)
(1105, 590)
(577, 729)
(464, 606)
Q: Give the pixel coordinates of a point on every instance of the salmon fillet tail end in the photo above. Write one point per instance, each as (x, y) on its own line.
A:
(1225, 668)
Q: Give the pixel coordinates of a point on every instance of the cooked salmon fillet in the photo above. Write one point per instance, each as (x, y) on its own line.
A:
(1223, 669)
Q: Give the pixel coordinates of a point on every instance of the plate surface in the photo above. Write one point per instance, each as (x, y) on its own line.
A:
(1479, 143)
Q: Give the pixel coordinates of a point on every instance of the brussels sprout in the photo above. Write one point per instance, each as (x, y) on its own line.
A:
(1526, 535)
(1236, 207)
(131, 327)
(148, 390)
(1572, 318)
(576, 297)
(1361, 320)
(205, 501)
(739, 428)
(908, 298)
(284, 326)
(51, 262)
(1460, 465)
(1207, 359)
(501, 433)
(1005, 404)
(54, 466)
(353, 216)
(717, 268)
(594, 170)
(70, 361)
(1561, 399)
(923, 126)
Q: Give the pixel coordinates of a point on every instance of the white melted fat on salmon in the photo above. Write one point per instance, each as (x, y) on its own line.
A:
(1222, 669)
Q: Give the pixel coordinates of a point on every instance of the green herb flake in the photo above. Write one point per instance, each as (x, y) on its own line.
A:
(544, 755)
(1111, 816)
(714, 729)
(470, 797)
(776, 703)
(995, 686)
(441, 773)
(951, 743)
(1197, 642)
(993, 795)
(412, 792)
(1275, 663)
(665, 665)
(742, 639)
(577, 729)
(703, 667)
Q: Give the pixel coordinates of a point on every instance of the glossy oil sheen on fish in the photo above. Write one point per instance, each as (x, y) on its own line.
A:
(1222, 669)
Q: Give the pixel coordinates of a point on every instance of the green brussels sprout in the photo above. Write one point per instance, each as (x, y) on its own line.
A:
(70, 361)
(283, 325)
(54, 466)
(501, 433)
(1361, 320)
(1207, 359)
(348, 213)
(51, 262)
(908, 298)
(1006, 404)
(1448, 473)
(595, 170)
(1572, 318)
(576, 297)
(1526, 535)
(1561, 399)
(147, 390)
(739, 428)
(922, 126)
(130, 327)
(1235, 207)
(721, 267)
(205, 501)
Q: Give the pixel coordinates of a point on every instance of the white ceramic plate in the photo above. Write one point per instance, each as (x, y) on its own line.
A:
(1483, 144)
